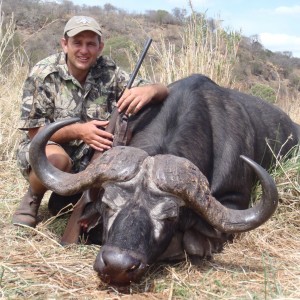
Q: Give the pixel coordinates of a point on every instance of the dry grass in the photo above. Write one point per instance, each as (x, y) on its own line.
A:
(292, 107)
(199, 50)
(10, 93)
(262, 264)
(202, 51)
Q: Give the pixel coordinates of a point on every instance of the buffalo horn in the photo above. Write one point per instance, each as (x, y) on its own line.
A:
(111, 166)
(179, 176)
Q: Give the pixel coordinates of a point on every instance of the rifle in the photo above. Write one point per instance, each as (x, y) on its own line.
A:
(73, 227)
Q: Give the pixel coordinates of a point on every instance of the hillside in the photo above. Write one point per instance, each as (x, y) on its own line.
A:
(39, 24)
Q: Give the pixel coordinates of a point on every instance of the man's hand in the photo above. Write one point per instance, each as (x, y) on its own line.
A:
(93, 133)
(135, 98)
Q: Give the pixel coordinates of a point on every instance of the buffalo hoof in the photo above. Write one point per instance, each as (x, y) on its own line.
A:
(119, 267)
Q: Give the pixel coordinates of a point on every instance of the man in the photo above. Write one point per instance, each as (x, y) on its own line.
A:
(78, 82)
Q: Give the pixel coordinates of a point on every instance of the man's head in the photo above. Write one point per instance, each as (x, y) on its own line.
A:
(78, 24)
(82, 44)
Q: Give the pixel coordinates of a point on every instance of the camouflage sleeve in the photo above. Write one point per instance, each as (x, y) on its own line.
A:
(37, 104)
(123, 78)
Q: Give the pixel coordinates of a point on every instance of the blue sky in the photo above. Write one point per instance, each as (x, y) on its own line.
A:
(276, 22)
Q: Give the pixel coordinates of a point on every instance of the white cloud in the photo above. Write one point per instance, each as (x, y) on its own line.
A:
(288, 10)
(281, 42)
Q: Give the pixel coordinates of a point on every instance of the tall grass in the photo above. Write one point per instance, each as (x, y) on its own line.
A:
(291, 105)
(13, 72)
(203, 50)
(205, 47)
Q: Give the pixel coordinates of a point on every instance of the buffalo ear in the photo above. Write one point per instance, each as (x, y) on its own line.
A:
(95, 231)
(91, 222)
(92, 216)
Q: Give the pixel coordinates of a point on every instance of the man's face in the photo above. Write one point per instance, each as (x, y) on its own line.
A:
(83, 50)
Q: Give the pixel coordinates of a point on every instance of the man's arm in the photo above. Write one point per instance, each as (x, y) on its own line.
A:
(90, 132)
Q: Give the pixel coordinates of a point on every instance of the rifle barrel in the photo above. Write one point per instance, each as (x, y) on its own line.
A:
(139, 63)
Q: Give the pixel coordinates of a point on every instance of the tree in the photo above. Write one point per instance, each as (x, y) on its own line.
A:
(109, 7)
(160, 17)
(67, 6)
(179, 14)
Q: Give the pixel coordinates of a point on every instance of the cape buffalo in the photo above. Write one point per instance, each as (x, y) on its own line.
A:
(180, 187)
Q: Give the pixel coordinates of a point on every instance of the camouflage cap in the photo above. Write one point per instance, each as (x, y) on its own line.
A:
(78, 24)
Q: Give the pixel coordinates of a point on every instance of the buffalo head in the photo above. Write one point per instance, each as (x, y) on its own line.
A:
(142, 201)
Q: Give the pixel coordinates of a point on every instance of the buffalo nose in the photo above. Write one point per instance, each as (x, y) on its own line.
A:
(116, 266)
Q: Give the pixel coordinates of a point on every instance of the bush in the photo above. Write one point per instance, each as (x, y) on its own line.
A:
(295, 80)
(264, 92)
(257, 68)
(115, 48)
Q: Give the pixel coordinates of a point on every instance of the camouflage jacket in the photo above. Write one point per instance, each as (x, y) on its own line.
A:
(50, 93)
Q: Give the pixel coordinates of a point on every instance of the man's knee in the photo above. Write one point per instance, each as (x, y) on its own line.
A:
(58, 157)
